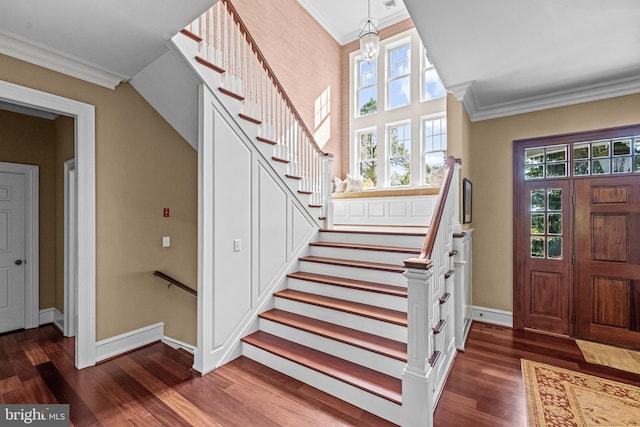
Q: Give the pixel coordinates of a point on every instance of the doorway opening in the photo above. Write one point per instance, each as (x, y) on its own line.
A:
(85, 268)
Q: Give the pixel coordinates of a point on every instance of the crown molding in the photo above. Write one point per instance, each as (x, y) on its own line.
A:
(327, 25)
(578, 95)
(383, 23)
(35, 53)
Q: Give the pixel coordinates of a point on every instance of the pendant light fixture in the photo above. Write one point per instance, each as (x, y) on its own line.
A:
(369, 39)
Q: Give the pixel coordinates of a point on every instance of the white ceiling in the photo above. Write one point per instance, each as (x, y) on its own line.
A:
(499, 57)
(103, 41)
(507, 57)
(344, 19)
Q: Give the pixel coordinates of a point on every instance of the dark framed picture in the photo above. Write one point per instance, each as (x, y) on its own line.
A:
(467, 200)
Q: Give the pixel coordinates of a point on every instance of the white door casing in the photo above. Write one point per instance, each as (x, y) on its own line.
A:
(12, 251)
(84, 115)
(70, 248)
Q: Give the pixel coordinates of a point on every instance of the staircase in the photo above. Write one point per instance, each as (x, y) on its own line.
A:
(341, 324)
(333, 312)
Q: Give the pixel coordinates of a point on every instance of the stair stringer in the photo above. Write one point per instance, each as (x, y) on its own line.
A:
(241, 196)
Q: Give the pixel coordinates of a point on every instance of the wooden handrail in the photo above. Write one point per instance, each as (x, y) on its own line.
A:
(430, 240)
(272, 75)
(424, 260)
(173, 281)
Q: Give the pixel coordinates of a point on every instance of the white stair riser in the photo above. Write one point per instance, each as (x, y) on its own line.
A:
(371, 298)
(366, 358)
(384, 277)
(362, 399)
(373, 239)
(281, 168)
(265, 149)
(294, 185)
(362, 255)
(348, 320)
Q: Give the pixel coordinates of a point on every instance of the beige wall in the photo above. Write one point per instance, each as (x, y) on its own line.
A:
(491, 172)
(142, 166)
(305, 59)
(31, 140)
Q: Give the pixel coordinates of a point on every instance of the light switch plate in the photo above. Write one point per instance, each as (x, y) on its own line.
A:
(166, 241)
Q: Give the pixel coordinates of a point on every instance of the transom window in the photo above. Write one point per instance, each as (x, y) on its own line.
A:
(600, 157)
(399, 84)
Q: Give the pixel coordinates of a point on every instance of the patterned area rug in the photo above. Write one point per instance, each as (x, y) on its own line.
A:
(607, 355)
(559, 397)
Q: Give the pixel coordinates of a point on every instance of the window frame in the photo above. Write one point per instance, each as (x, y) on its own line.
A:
(405, 41)
(358, 60)
(389, 157)
(427, 65)
(423, 145)
(376, 158)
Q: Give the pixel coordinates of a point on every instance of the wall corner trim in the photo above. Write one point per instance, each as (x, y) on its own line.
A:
(177, 344)
(493, 316)
(52, 315)
(119, 344)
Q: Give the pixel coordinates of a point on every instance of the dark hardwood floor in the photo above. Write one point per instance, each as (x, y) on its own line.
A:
(154, 386)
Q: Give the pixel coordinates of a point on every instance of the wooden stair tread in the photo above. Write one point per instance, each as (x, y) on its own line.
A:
(393, 268)
(395, 249)
(374, 232)
(369, 311)
(366, 379)
(362, 285)
(374, 343)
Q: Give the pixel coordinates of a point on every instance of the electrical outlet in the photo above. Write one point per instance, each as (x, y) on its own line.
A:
(237, 245)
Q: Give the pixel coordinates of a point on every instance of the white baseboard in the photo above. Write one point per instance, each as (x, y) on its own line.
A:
(492, 315)
(128, 341)
(52, 315)
(174, 343)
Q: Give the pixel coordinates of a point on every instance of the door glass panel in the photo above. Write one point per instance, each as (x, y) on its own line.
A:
(581, 168)
(534, 172)
(555, 199)
(637, 164)
(554, 222)
(601, 167)
(622, 165)
(581, 151)
(622, 147)
(534, 155)
(537, 223)
(537, 247)
(537, 200)
(600, 149)
(546, 223)
(556, 170)
(557, 154)
(554, 248)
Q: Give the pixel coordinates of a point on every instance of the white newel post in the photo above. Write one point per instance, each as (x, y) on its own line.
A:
(455, 186)
(418, 375)
(327, 208)
(462, 277)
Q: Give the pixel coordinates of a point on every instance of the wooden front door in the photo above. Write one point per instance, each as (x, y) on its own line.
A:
(607, 269)
(546, 241)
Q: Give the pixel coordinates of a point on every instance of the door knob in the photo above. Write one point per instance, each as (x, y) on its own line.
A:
(18, 262)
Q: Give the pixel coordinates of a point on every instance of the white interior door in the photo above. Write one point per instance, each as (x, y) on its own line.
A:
(12, 251)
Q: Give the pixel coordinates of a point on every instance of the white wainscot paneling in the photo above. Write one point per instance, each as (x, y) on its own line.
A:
(398, 210)
(301, 230)
(232, 275)
(272, 230)
(376, 209)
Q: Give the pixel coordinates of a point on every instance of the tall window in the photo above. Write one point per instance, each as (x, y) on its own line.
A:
(400, 154)
(434, 135)
(432, 87)
(399, 84)
(368, 158)
(367, 88)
